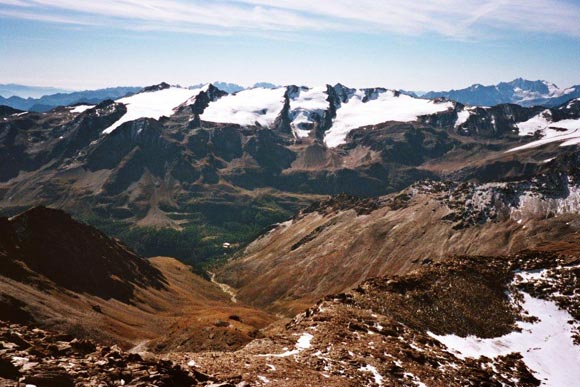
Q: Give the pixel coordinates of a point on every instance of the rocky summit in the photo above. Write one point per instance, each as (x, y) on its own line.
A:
(218, 235)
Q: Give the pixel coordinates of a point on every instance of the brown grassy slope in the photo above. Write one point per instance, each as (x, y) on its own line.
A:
(184, 313)
(326, 252)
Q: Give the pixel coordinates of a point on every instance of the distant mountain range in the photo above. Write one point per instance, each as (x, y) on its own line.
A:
(205, 152)
(14, 90)
(48, 102)
(43, 99)
(232, 88)
(519, 91)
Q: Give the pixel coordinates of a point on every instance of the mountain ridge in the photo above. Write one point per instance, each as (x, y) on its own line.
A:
(158, 159)
(48, 102)
(519, 91)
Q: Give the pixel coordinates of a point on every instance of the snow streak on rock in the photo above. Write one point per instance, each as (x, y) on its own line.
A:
(306, 105)
(566, 131)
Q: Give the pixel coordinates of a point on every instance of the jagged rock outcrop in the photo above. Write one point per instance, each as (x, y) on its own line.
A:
(36, 357)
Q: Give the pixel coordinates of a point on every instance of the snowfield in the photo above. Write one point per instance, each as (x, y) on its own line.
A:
(547, 345)
(262, 106)
(247, 107)
(385, 106)
(565, 131)
(153, 104)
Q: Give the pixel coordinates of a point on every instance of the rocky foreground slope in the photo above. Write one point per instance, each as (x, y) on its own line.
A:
(32, 356)
(428, 328)
(511, 320)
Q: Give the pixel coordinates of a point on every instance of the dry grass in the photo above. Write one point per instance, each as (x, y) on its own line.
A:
(182, 314)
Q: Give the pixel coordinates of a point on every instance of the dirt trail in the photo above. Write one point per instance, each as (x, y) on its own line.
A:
(224, 287)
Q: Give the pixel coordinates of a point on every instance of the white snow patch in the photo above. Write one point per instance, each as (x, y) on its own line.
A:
(462, 117)
(263, 379)
(153, 104)
(415, 379)
(247, 107)
(376, 375)
(565, 131)
(304, 342)
(537, 122)
(385, 107)
(81, 108)
(546, 346)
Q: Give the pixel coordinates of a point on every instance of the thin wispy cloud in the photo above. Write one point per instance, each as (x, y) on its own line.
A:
(50, 18)
(171, 15)
(447, 18)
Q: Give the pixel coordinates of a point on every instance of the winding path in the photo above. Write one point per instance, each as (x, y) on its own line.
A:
(224, 287)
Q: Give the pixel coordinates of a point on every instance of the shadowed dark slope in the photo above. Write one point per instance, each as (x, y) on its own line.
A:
(72, 255)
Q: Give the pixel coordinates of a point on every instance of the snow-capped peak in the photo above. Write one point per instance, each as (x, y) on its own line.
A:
(384, 105)
(154, 103)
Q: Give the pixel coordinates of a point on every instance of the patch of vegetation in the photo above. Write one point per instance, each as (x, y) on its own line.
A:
(200, 242)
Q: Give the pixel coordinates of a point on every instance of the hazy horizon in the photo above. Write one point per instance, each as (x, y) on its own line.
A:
(59, 89)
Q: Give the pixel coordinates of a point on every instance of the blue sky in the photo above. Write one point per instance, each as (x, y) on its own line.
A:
(416, 45)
